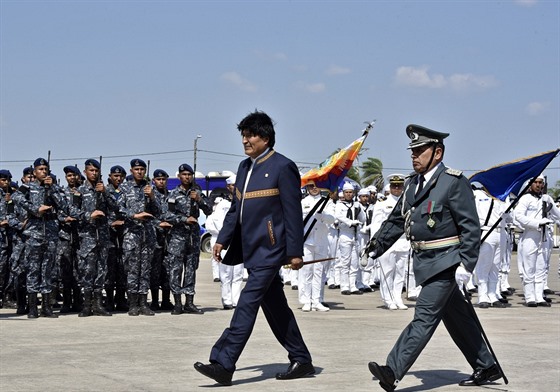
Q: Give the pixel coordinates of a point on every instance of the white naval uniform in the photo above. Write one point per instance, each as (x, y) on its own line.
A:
(487, 267)
(350, 218)
(366, 274)
(312, 276)
(231, 276)
(393, 262)
(533, 252)
(333, 266)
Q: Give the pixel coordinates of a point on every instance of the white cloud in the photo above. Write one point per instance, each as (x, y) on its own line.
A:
(536, 108)
(421, 77)
(236, 79)
(337, 70)
(526, 3)
(312, 87)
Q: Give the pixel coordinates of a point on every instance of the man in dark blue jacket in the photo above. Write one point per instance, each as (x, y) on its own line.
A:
(264, 230)
(437, 213)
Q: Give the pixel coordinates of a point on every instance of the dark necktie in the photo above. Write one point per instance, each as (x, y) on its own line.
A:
(421, 180)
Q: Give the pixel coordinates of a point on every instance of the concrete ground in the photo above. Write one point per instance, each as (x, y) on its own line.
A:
(123, 353)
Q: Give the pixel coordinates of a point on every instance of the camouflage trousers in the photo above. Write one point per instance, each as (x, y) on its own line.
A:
(92, 269)
(182, 272)
(67, 262)
(40, 258)
(158, 274)
(137, 262)
(116, 274)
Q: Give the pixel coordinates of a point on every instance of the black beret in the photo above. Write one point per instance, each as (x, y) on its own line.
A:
(40, 162)
(137, 162)
(160, 173)
(27, 170)
(420, 136)
(117, 169)
(185, 167)
(5, 174)
(93, 162)
(71, 169)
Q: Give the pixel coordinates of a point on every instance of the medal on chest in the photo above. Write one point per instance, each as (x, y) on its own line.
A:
(431, 222)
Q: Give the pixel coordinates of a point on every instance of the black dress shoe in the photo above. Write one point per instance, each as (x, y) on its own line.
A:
(296, 370)
(498, 304)
(357, 292)
(215, 371)
(547, 299)
(532, 304)
(503, 300)
(384, 374)
(367, 289)
(228, 307)
(482, 376)
(345, 292)
(548, 291)
(332, 287)
(544, 304)
(484, 305)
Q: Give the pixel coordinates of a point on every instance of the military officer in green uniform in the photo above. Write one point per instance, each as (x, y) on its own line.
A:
(438, 215)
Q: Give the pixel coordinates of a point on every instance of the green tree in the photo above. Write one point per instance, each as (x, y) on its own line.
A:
(372, 173)
(555, 191)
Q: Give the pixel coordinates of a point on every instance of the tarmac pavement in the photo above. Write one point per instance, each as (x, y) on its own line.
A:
(123, 353)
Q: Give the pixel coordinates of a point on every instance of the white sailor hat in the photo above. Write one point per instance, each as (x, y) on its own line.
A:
(231, 180)
(347, 187)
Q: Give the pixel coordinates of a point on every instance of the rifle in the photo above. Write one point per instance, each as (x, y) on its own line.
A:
(46, 195)
(546, 207)
(148, 180)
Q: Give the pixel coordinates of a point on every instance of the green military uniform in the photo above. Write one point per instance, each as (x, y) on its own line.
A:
(442, 224)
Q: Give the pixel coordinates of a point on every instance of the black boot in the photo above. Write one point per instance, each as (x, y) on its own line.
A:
(53, 298)
(46, 310)
(86, 309)
(97, 308)
(190, 306)
(120, 301)
(133, 304)
(143, 307)
(77, 299)
(66, 300)
(178, 308)
(155, 299)
(32, 304)
(166, 300)
(21, 301)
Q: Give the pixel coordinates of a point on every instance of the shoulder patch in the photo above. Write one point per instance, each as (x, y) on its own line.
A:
(454, 172)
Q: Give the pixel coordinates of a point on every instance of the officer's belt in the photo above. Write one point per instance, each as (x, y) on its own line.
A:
(435, 244)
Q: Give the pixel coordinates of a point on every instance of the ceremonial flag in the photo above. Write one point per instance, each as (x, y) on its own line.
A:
(330, 173)
(509, 177)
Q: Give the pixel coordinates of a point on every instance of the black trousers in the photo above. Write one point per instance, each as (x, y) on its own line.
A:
(263, 289)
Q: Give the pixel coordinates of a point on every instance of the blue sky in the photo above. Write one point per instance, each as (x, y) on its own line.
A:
(144, 78)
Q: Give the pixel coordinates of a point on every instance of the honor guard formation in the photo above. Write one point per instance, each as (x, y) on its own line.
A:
(126, 243)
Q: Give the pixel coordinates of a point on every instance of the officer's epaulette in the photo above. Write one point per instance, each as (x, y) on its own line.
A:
(454, 172)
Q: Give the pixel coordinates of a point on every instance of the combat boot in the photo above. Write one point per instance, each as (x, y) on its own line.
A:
(178, 308)
(86, 309)
(143, 307)
(190, 306)
(21, 301)
(110, 299)
(46, 310)
(97, 308)
(155, 299)
(53, 298)
(166, 300)
(66, 300)
(32, 304)
(133, 304)
(120, 301)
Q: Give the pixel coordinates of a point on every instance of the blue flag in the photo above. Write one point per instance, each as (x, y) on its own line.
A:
(509, 177)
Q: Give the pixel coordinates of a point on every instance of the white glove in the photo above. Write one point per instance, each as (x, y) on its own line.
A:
(364, 260)
(545, 221)
(462, 275)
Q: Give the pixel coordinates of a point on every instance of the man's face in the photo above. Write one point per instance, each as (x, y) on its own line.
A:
(537, 186)
(348, 194)
(313, 190)
(396, 189)
(364, 199)
(230, 188)
(160, 182)
(421, 157)
(72, 179)
(4, 182)
(41, 172)
(186, 178)
(91, 173)
(26, 179)
(116, 179)
(253, 145)
(138, 173)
